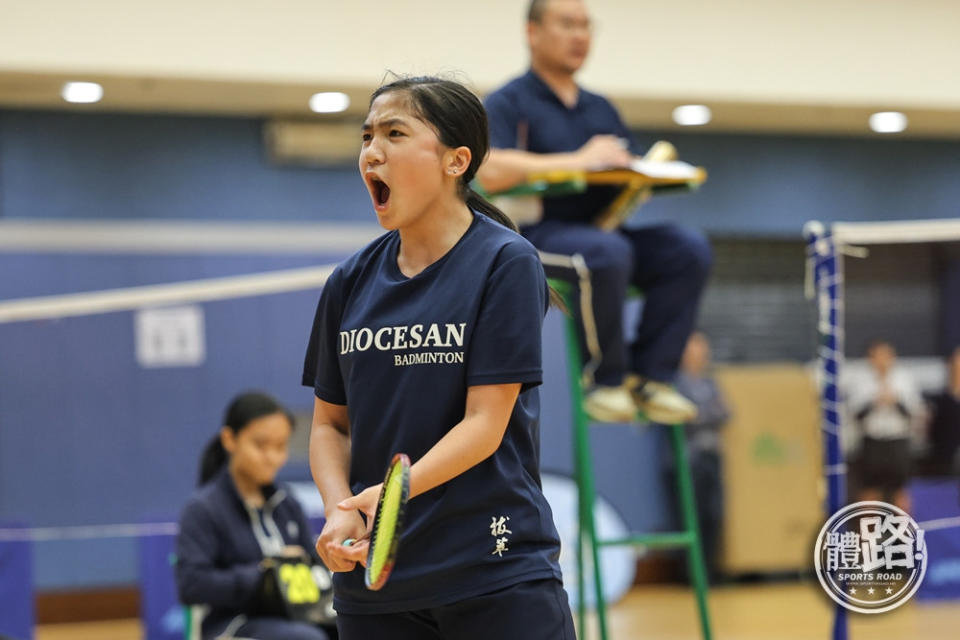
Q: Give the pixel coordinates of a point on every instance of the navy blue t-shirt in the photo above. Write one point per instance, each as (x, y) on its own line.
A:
(526, 114)
(400, 353)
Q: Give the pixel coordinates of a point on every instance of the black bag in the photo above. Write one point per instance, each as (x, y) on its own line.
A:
(296, 589)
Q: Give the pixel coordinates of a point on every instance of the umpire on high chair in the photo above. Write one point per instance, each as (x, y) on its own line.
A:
(543, 120)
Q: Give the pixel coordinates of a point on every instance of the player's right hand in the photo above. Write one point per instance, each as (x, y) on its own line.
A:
(604, 152)
(340, 526)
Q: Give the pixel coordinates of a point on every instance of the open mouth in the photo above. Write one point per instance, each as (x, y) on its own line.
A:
(380, 191)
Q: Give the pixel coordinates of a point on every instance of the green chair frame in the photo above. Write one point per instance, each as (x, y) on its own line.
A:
(688, 538)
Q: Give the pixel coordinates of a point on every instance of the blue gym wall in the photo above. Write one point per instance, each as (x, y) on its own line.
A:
(88, 437)
(112, 166)
(75, 165)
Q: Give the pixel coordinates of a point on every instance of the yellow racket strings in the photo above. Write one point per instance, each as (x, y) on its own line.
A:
(387, 515)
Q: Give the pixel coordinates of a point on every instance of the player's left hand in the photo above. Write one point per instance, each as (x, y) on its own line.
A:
(366, 503)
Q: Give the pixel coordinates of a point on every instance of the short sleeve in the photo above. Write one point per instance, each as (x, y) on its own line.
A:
(505, 345)
(321, 367)
(504, 119)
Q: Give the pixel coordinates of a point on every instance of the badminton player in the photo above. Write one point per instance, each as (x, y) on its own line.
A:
(427, 342)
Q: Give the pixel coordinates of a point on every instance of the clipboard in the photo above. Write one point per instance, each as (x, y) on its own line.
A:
(656, 173)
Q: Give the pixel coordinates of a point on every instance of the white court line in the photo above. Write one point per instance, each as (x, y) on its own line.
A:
(181, 237)
(89, 532)
(940, 523)
(127, 299)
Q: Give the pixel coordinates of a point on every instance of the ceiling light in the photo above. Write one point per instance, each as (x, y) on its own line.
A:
(888, 122)
(690, 115)
(81, 92)
(329, 102)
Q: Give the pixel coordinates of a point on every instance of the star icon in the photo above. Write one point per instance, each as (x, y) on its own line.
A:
(889, 590)
(870, 590)
(853, 590)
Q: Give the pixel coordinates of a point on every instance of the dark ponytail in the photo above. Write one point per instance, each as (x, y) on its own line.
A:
(213, 458)
(243, 410)
(478, 203)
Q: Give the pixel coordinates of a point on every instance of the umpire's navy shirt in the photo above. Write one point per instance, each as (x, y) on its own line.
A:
(526, 114)
(400, 353)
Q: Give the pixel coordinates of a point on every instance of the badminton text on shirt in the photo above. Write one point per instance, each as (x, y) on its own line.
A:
(400, 338)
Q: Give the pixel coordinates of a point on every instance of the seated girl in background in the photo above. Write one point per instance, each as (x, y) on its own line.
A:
(237, 518)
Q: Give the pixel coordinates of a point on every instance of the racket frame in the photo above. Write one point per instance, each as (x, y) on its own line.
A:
(404, 470)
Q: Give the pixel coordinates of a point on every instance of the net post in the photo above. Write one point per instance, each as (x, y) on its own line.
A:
(825, 269)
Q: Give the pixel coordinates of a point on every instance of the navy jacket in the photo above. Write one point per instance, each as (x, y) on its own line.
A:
(222, 541)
